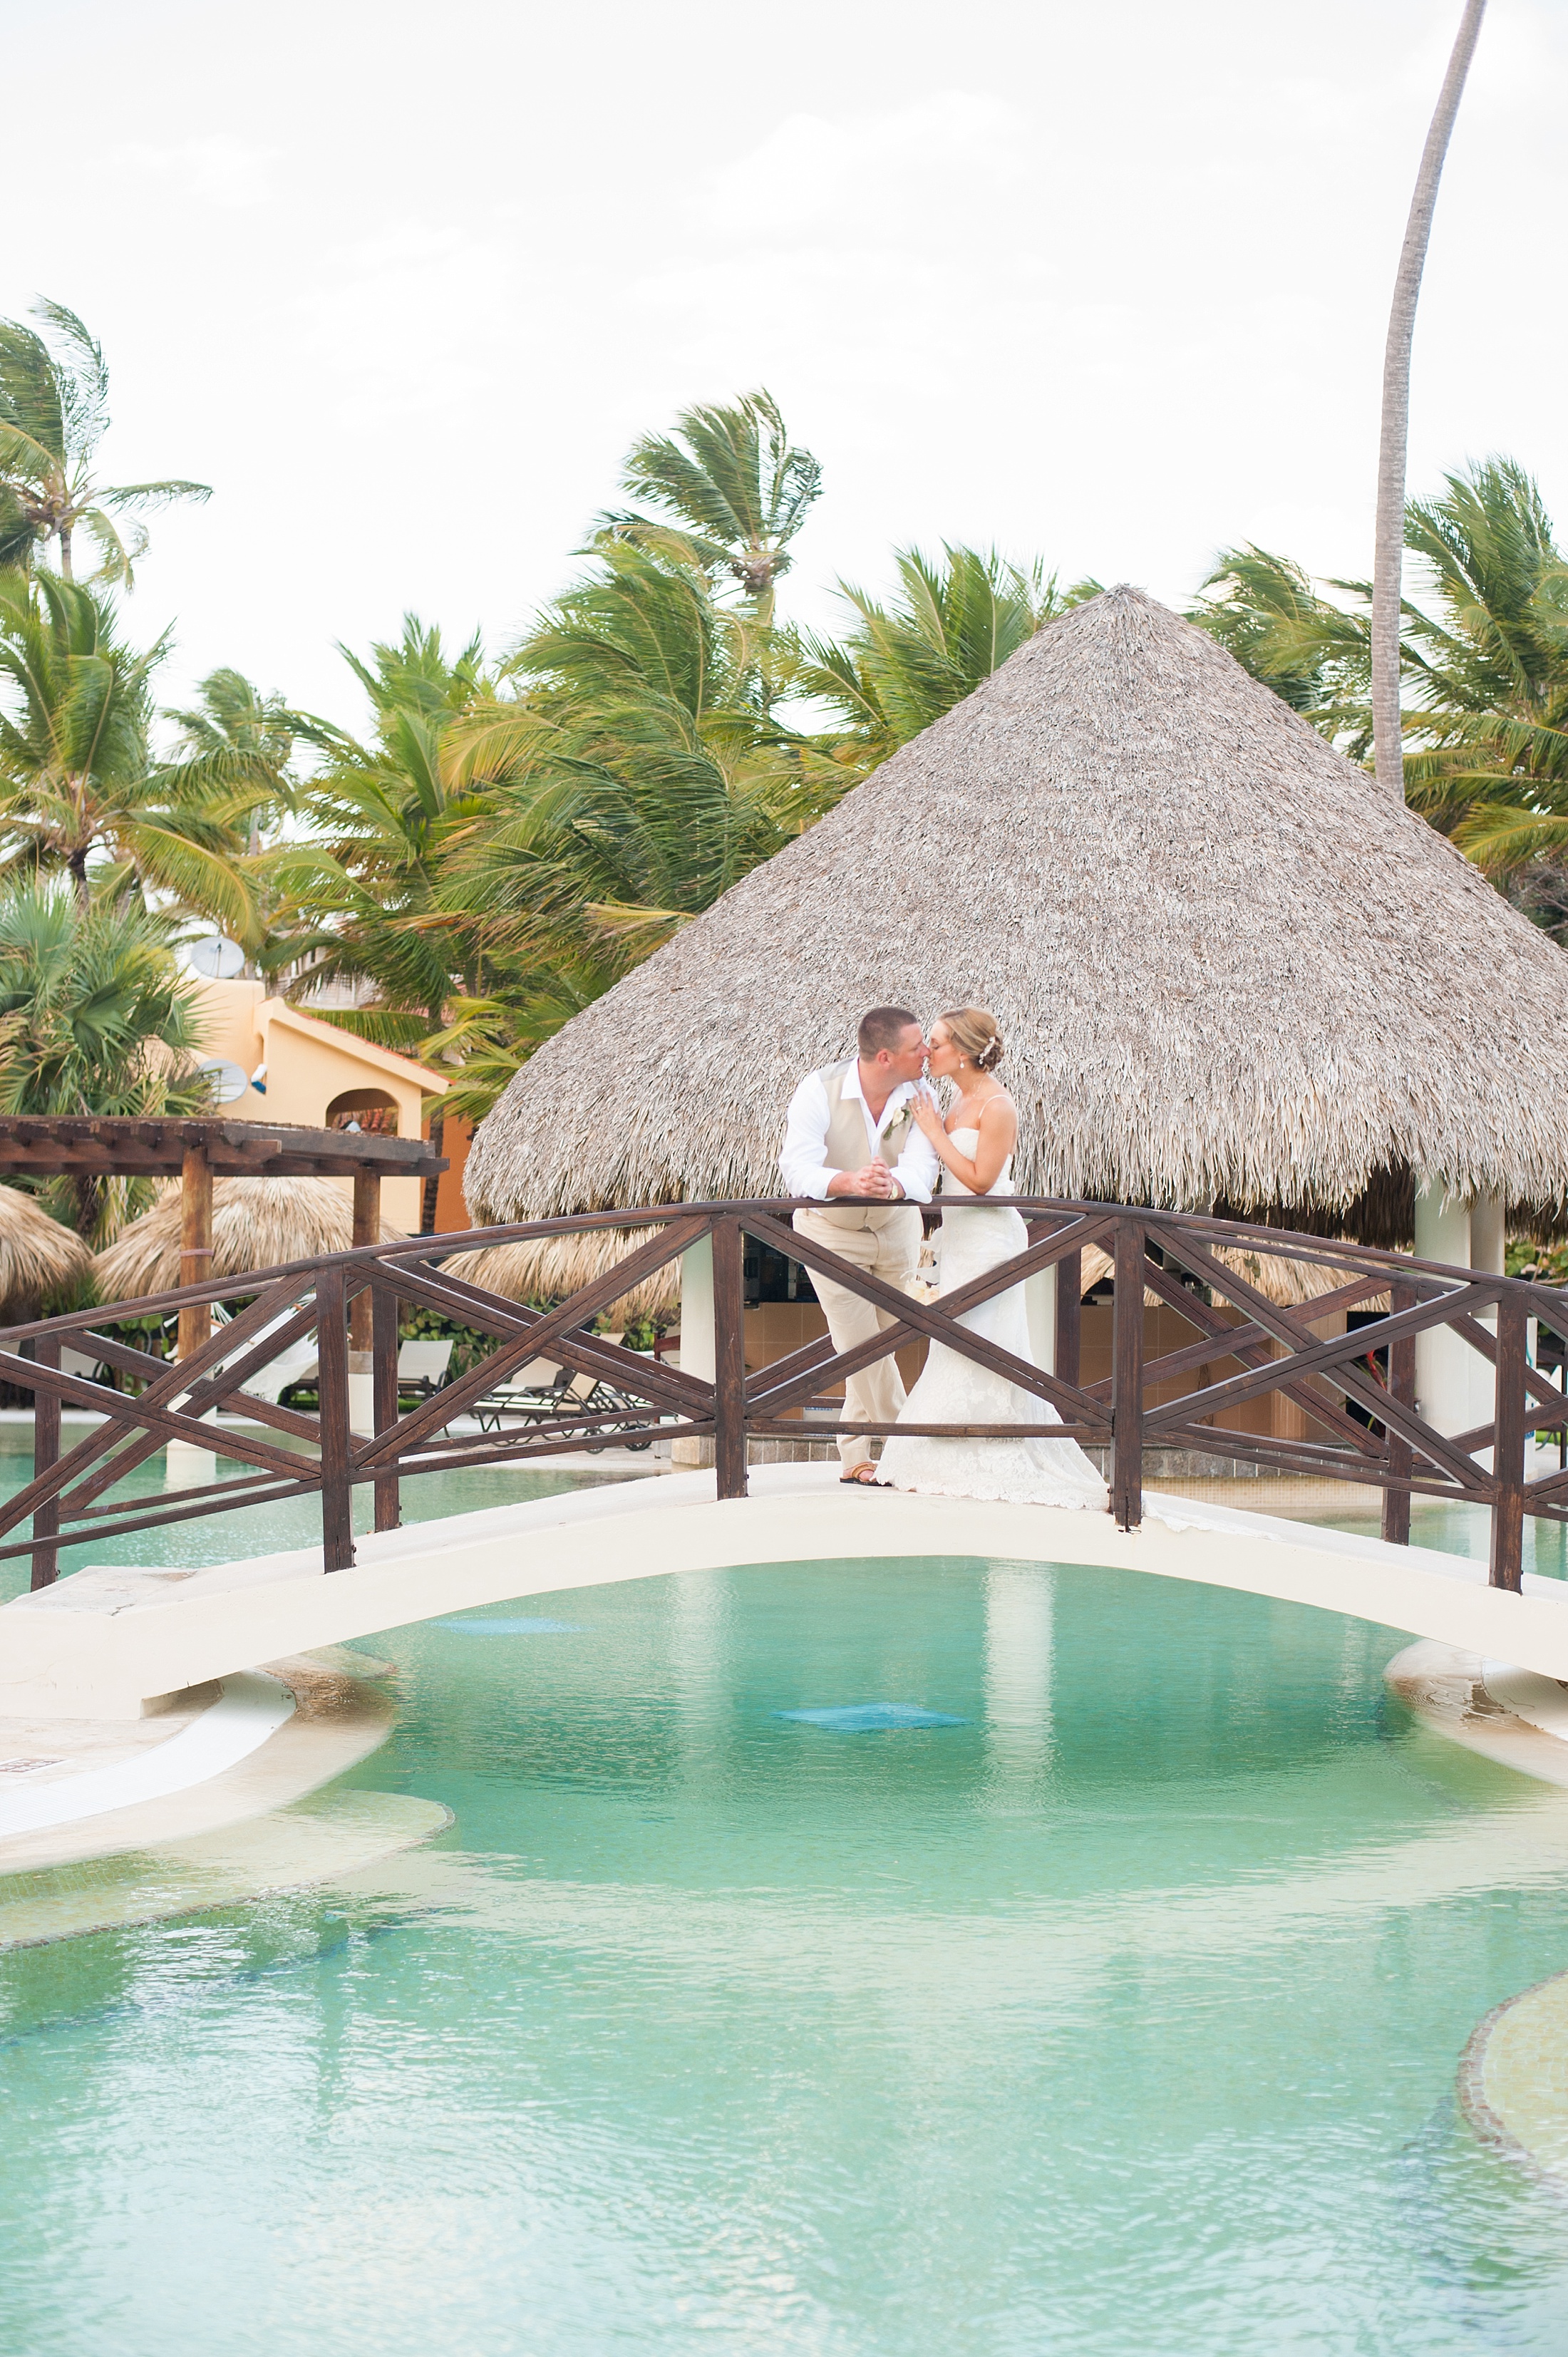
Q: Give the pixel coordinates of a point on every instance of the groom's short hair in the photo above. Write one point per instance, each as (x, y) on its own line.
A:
(883, 1026)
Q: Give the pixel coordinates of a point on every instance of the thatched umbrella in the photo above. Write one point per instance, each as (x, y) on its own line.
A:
(1230, 972)
(1292, 1284)
(256, 1223)
(552, 1267)
(40, 1261)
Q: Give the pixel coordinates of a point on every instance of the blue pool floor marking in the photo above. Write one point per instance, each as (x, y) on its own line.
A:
(867, 1717)
(516, 1628)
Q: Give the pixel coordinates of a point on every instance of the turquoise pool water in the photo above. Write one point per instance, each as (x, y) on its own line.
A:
(1462, 1530)
(1121, 2017)
(254, 1530)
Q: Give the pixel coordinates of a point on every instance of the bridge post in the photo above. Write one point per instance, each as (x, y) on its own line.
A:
(729, 1360)
(367, 1231)
(1401, 1387)
(332, 1401)
(1127, 1378)
(384, 1394)
(1507, 1447)
(195, 1247)
(46, 1457)
(1070, 1293)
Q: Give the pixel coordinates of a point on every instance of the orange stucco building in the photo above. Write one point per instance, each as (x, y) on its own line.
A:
(302, 1070)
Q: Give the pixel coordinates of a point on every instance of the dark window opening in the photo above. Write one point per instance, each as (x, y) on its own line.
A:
(771, 1276)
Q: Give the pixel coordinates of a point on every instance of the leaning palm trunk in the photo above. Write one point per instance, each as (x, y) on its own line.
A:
(1387, 738)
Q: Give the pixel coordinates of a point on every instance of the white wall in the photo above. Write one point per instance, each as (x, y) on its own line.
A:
(1454, 1385)
(1040, 1308)
(697, 1352)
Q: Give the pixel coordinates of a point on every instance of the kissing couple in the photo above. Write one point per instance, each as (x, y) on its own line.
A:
(866, 1142)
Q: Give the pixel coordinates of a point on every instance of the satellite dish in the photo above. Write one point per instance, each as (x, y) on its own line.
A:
(217, 957)
(227, 1081)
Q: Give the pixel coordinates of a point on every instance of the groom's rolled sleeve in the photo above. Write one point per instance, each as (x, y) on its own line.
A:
(806, 1142)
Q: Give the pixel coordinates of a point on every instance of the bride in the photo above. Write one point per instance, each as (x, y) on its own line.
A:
(976, 1148)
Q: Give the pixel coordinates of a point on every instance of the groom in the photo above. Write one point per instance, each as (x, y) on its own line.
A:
(852, 1145)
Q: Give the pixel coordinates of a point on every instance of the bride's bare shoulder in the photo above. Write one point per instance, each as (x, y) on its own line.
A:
(1000, 1106)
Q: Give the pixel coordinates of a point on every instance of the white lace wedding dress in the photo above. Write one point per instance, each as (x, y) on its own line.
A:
(956, 1390)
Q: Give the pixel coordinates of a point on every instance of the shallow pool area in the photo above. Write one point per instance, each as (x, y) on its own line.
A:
(1114, 2008)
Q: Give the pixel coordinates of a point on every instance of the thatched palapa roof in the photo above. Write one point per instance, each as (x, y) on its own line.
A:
(1229, 969)
(256, 1223)
(40, 1261)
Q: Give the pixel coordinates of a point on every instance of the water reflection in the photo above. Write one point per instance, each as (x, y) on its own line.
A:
(1019, 1604)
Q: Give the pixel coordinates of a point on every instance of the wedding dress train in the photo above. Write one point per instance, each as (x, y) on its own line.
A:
(956, 1390)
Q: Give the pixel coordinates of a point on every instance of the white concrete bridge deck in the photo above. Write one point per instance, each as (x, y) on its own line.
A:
(108, 1643)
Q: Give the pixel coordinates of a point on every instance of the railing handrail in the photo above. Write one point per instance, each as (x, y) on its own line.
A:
(1366, 1428)
(1283, 1243)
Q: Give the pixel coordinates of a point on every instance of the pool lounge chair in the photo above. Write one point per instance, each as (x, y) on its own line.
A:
(534, 1401)
(422, 1368)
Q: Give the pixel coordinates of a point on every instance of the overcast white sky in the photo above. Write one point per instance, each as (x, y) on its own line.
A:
(1109, 283)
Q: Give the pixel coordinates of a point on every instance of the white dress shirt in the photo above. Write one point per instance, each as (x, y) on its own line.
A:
(806, 1138)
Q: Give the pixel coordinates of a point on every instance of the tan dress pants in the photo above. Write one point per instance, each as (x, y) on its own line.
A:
(890, 1250)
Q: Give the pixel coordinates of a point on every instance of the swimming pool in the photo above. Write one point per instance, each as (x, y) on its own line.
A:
(1121, 2016)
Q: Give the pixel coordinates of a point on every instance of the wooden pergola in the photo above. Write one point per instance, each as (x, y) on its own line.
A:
(196, 1151)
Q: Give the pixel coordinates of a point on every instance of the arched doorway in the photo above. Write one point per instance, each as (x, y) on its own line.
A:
(368, 1108)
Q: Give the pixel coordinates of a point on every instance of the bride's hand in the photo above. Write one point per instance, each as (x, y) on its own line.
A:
(928, 1120)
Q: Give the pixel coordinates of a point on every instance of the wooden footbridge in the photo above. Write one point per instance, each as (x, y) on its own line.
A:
(1355, 1391)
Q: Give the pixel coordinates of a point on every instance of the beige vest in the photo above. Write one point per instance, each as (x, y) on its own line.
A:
(846, 1149)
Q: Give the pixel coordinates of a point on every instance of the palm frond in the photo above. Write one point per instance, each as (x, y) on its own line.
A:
(730, 479)
(82, 381)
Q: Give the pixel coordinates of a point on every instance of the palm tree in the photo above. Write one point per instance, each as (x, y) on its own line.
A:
(80, 788)
(1489, 671)
(1484, 659)
(359, 891)
(731, 491)
(239, 733)
(1394, 433)
(360, 896)
(903, 665)
(636, 776)
(94, 1018)
(53, 414)
(487, 1042)
(1315, 654)
(235, 740)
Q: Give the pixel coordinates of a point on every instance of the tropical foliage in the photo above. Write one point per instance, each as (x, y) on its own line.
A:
(902, 666)
(358, 892)
(729, 492)
(82, 790)
(627, 768)
(1484, 660)
(1315, 653)
(93, 1019)
(54, 411)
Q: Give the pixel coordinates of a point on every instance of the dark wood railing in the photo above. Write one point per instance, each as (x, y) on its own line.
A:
(1361, 1425)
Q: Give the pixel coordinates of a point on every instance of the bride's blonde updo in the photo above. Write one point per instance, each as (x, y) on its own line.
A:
(975, 1033)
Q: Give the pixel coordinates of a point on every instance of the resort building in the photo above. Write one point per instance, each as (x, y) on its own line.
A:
(318, 1076)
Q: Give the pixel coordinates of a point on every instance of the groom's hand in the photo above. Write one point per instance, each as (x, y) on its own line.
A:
(875, 1180)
